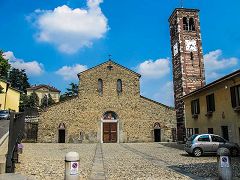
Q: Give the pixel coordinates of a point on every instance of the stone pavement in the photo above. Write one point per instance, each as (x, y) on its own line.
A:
(97, 169)
(4, 127)
(150, 161)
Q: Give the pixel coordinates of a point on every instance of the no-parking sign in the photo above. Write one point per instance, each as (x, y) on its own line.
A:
(224, 161)
(74, 168)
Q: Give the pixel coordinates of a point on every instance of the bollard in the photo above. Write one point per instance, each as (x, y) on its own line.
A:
(20, 148)
(72, 163)
(224, 164)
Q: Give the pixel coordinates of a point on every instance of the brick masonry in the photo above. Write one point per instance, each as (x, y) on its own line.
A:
(136, 114)
(188, 74)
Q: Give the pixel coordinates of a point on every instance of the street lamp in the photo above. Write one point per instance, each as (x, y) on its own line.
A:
(5, 101)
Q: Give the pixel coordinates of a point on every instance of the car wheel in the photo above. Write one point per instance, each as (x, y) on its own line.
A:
(197, 152)
(234, 152)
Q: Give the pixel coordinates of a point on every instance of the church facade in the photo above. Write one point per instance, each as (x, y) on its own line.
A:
(108, 108)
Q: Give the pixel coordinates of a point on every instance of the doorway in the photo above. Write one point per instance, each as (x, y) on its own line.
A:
(110, 132)
(61, 136)
(61, 133)
(157, 135)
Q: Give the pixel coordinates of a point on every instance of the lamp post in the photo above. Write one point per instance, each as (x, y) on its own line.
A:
(5, 101)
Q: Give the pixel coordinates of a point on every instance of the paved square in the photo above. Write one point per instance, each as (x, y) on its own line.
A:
(118, 161)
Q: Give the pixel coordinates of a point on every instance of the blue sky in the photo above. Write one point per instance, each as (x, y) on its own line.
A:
(54, 40)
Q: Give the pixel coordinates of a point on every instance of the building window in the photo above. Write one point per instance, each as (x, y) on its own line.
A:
(210, 103)
(195, 107)
(191, 57)
(119, 86)
(100, 87)
(189, 132)
(235, 96)
(110, 115)
(185, 24)
(210, 130)
(196, 130)
(225, 132)
(188, 24)
(191, 25)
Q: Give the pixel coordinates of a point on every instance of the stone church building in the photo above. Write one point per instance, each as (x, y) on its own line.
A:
(108, 108)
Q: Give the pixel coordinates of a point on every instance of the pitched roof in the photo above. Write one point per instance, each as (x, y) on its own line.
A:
(10, 86)
(169, 107)
(224, 78)
(112, 62)
(50, 88)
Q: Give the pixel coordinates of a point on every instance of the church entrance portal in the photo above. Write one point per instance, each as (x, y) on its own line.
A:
(109, 132)
(110, 127)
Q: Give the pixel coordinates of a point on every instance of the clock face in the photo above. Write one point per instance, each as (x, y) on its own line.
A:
(191, 45)
(175, 49)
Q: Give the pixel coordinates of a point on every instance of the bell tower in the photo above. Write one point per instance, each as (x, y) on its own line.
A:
(187, 59)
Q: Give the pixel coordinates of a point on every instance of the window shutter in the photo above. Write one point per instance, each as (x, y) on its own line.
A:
(208, 103)
(192, 107)
(213, 103)
(233, 97)
(198, 106)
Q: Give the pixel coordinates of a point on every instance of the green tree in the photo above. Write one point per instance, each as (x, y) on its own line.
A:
(31, 101)
(73, 90)
(47, 100)
(4, 66)
(18, 79)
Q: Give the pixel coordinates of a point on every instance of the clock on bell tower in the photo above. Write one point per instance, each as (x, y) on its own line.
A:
(187, 59)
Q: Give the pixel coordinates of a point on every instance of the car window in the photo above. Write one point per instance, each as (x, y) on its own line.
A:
(3, 112)
(217, 139)
(192, 137)
(204, 138)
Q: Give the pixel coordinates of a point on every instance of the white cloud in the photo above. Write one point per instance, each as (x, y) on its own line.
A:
(71, 29)
(154, 69)
(70, 72)
(33, 68)
(165, 94)
(214, 63)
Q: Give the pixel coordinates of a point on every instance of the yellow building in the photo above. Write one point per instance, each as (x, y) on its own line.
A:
(43, 90)
(9, 98)
(215, 108)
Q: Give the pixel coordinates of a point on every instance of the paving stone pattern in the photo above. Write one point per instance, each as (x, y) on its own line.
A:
(118, 161)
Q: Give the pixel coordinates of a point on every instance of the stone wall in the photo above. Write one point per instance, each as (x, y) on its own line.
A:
(136, 114)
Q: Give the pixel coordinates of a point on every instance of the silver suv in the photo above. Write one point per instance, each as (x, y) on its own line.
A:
(199, 144)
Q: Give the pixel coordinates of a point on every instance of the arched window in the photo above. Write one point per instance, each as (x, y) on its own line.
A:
(185, 24)
(119, 86)
(100, 87)
(110, 115)
(191, 25)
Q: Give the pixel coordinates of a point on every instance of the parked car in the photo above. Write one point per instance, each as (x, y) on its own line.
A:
(199, 144)
(4, 114)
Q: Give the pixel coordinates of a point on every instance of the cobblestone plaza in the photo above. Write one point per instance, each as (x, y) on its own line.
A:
(118, 161)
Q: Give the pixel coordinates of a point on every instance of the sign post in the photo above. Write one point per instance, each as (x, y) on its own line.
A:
(72, 163)
(224, 164)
